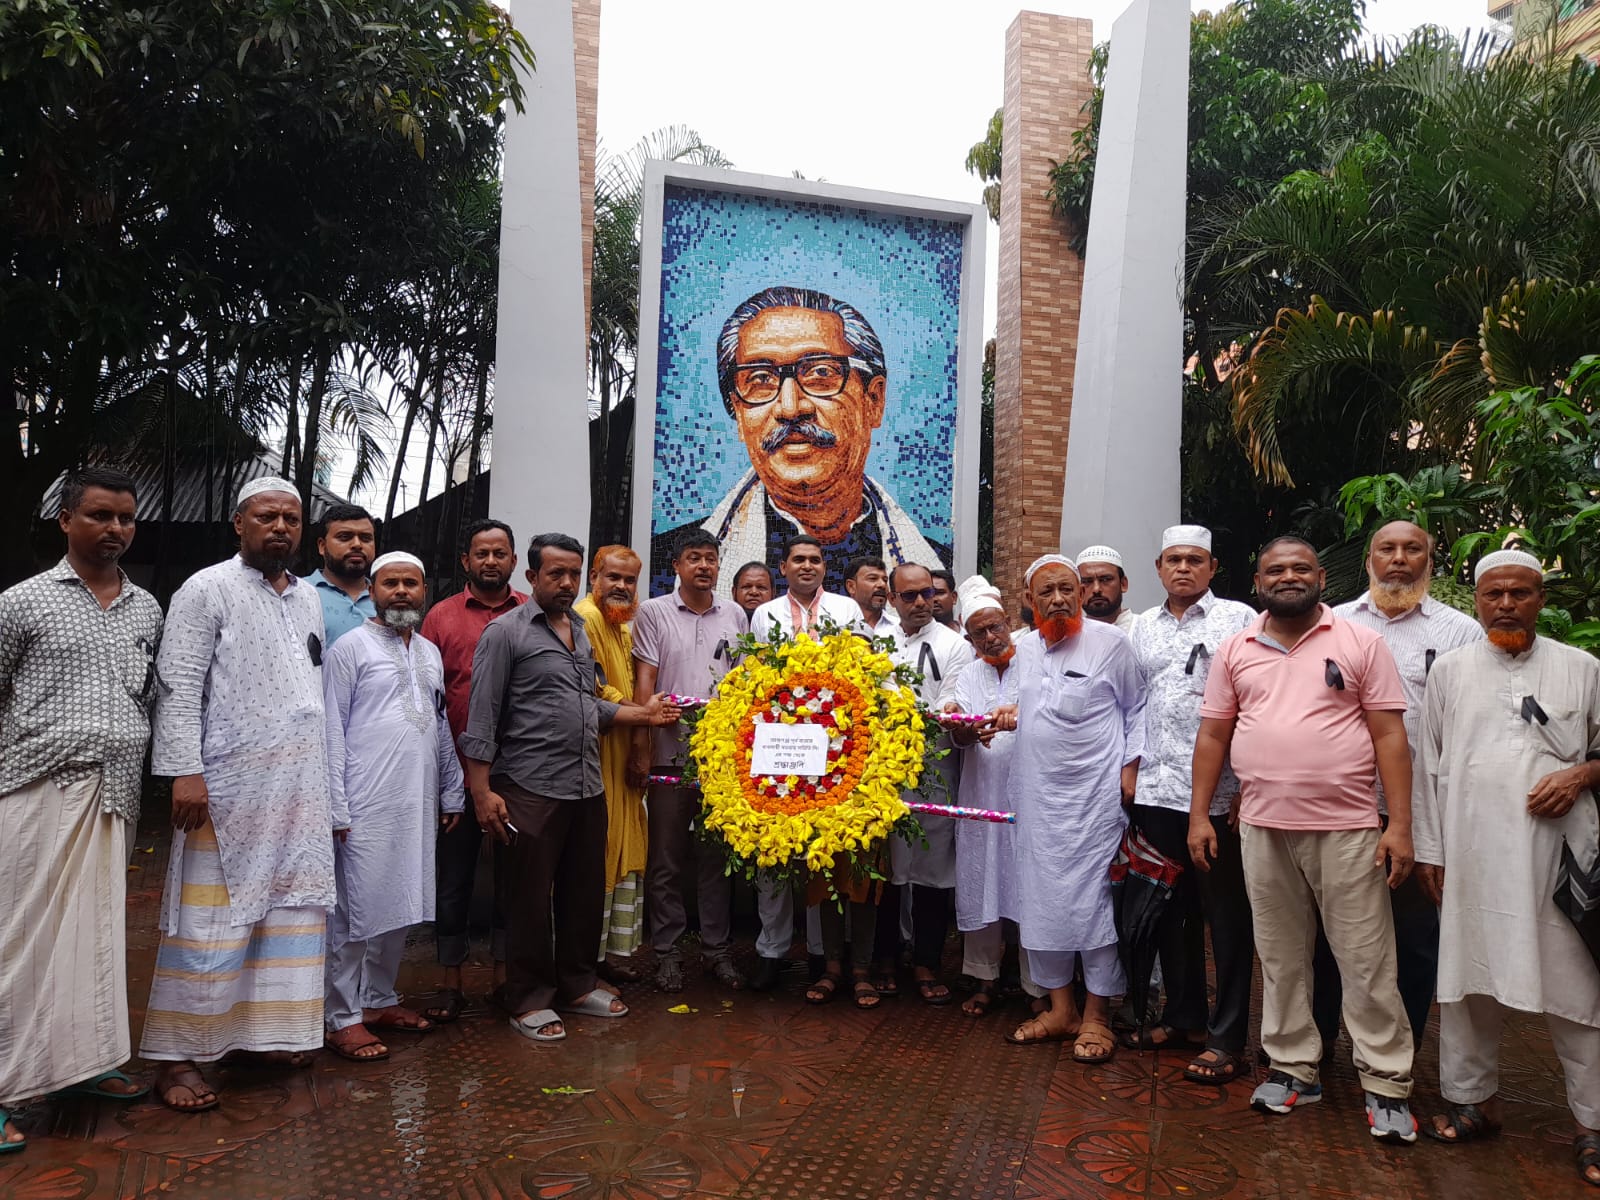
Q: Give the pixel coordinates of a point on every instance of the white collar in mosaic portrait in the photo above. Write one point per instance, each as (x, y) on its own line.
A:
(743, 513)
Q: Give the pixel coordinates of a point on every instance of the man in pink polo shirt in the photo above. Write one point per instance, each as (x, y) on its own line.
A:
(1311, 708)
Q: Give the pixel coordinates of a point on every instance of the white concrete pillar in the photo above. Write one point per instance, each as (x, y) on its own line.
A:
(1122, 480)
(540, 449)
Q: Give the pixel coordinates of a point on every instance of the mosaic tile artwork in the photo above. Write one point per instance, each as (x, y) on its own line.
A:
(901, 274)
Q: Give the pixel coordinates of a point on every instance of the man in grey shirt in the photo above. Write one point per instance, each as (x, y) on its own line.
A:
(532, 750)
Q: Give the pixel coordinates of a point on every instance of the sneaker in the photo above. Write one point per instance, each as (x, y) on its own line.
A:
(1390, 1120)
(1279, 1093)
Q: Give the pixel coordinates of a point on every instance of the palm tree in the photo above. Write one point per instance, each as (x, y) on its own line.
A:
(614, 316)
(1447, 249)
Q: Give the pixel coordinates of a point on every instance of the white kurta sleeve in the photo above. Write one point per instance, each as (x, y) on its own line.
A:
(1427, 792)
(188, 645)
(1131, 697)
(338, 696)
(452, 784)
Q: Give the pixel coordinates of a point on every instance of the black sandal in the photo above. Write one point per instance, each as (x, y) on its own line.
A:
(1145, 1039)
(1213, 1066)
(887, 986)
(981, 1000)
(866, 996)
(450, 1011)
(823, 989)
(1588, 1147)
(928, 990)
(1467, 1123)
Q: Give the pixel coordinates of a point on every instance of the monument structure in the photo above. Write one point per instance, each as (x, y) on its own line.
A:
(541, 433)
(1123, 485)
(1046, 88)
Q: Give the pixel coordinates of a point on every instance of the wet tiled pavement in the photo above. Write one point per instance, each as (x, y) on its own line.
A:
(762, 1098)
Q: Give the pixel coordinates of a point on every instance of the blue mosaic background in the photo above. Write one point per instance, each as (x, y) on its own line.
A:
(903, 273)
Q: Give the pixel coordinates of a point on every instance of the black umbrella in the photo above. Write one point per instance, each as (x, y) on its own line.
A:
(1578, 895)
(1142, 879)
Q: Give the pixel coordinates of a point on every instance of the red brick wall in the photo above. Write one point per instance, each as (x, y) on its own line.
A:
(586, 54)
(1041, 280)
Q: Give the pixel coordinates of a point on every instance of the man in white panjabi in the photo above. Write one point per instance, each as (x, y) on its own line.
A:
(1079, 720)
(939, 655)
(394, 781)
(1510, 742)
(239, 726)
(76, 678)
(986, 852)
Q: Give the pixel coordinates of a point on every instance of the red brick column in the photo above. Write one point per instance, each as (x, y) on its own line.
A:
(1041, 279)
(586, 61)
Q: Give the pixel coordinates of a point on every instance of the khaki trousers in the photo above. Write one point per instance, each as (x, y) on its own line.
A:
(1291, 877)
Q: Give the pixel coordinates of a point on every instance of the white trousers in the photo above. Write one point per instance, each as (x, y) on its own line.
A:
(981, 951)
(1469, 1056)
(361, 971)
(1102, 969)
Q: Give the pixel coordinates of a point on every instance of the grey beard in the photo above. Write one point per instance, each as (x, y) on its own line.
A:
(402, 620)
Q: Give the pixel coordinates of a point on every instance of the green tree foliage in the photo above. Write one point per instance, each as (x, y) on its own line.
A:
(1540, 489)
(1254, 117)
(984, 160)
(614, 318)
(231, 214)
(1380, 236)
(1447, 247)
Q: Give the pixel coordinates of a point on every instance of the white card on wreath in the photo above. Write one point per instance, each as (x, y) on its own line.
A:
(789, 749)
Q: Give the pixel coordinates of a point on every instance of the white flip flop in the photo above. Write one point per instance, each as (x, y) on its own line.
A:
(529, 1026)
(596, 1004)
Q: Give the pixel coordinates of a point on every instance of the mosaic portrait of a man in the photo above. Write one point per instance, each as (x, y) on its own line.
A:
(793, 407)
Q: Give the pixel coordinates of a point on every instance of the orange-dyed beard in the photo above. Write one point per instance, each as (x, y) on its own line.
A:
(1000, 660)
(1053, 629)
(1512, 641)
(617, 614)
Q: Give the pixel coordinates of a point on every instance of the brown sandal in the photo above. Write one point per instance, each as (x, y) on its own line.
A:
(190, 1080)
(1097, 1044)
(397, 1017)
(1020, 1036)
(348, 1043)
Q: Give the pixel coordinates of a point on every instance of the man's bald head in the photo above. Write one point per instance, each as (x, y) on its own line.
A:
(1399, 566)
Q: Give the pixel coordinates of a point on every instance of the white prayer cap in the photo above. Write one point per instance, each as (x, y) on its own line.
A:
(974, 595)
(1100, 554)
(1186, 535)
(267, 483)
(389, 559)
(1045, 560)
(1507, 558)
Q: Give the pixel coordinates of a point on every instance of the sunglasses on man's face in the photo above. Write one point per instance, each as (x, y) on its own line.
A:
(926, 593)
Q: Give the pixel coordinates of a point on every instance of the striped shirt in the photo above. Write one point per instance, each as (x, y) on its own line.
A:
(1415, 638)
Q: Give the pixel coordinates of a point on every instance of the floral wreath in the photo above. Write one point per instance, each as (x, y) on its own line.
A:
(776, 826)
